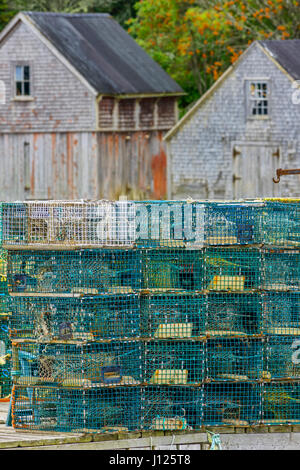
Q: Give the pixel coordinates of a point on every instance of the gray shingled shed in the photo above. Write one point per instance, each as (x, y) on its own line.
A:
(84, 110)
(242, 129)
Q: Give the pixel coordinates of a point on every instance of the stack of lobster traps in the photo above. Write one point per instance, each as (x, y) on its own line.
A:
(5, 362)
(156, 315)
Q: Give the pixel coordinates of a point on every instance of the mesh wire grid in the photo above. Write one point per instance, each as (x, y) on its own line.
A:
(233, 223)
(281, 223)
(281, 313)
(172, 408)
(76, 410)
(76, 318)
(173, 316)
(78, 365)
(172, 270)
(234, 359)
(281, 403)
(233, 404)
(280, 269)
(74, 272)
(232, 269)
(174, 362)
(235, 314)
(282, 356)
(103, 223)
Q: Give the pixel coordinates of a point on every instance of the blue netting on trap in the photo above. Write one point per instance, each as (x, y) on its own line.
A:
(281, 223)
(282, 357)
(281, 403)
(280, 269)
(281, 313)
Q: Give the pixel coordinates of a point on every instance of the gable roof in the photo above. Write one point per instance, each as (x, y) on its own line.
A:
(285, 54)
(103, 53)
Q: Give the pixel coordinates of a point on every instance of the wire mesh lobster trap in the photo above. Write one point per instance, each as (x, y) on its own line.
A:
(281, 223)
(74, 271)
(172, 408)
(282, 357)
(76, 318)
(281, 403)
(281, 313)
(174, 362)
(101, 223)
(3, 272)
(169, 224)
(281, 269)
(234, 359)
(76, 410)
(233, 404)
(232, 269)
(176, 270)
(5, 359)
(78, 365)
(173, 316)
(237, 314)
(233, 223)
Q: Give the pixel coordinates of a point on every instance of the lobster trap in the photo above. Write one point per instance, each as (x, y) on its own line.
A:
(234, 359)
(103, 223)
(281, 313)
(5, 359)
(233, 404)
(169, 224)
(232, 269)
(237, 314)
(77, 365)
(173, 316)
(3, 272)
(91, 318)
(281, 269)
(76, 410)
(176, 270)
(232, 223)
(281, 403)
(74, 271)
(281, 223)
(174, 362)
(282, 357)
(172, 408)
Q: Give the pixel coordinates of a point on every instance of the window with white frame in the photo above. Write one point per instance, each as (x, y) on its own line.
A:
(22, 80)
(258, 98)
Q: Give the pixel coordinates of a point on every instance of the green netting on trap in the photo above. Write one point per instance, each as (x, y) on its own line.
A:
(229, 269)
(233, 404)
(5, 359)
(169, 224)
(280, 270)
(86, 318)
(231, 314)
(233, 359)
(282, 357)
(177, 270)
(172, 408)
(74, 272)
(101, 223)
(281, 313)
(281, 403)
(173, 316)
(281, 223)
(233, 223)
(174, 362)
(78, 365)
(3, 272)
(76, 410)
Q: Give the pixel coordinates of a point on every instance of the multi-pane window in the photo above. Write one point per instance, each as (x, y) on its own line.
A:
(258, 98)
(22, 80)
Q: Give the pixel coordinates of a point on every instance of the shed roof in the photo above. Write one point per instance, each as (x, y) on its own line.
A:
(286, 53)
(103, 53)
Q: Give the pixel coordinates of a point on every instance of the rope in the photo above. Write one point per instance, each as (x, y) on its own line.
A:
(214, 441)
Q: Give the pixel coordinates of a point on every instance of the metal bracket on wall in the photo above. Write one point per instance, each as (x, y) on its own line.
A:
(280, 172)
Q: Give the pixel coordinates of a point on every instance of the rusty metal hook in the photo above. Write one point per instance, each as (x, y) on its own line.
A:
(280, 172)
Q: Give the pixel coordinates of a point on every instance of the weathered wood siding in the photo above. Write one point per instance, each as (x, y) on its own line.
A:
(201, 153)
(61, 102)
(90, 165)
